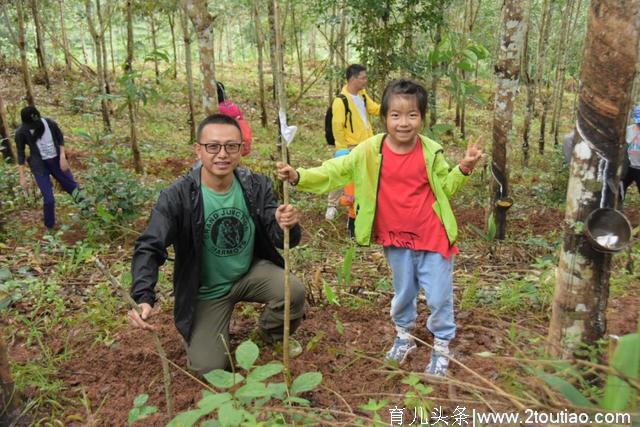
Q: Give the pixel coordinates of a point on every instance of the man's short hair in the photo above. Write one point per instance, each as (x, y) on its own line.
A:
(354, 69)
(217, 119)
(408, 88)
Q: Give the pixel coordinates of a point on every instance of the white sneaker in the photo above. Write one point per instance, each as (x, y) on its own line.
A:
(331, 213)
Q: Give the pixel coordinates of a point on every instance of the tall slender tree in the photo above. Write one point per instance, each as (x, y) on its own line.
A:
(507, 70)
(96, 35)
(609, 67)
(203, 23)
(154, 43)
(40, 49)
(65, 39)
(186, 34)
(131, 100)
(22, 46)
(260, 46)
(5, 142)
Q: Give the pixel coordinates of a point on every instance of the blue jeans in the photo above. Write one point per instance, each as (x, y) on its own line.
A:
(414, 270)
(65, 178)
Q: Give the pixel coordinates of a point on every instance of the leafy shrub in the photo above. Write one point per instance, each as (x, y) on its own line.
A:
(116, 193)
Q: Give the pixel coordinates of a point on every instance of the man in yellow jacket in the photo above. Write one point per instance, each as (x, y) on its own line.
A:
(351, 120)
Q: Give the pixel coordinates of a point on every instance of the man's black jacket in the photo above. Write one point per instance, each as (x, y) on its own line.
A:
(24, 138)
(178, 219)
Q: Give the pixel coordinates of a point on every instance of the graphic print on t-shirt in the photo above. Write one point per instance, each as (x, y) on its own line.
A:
(228, 231)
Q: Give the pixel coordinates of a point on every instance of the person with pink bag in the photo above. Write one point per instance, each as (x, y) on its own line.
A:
(229, 108)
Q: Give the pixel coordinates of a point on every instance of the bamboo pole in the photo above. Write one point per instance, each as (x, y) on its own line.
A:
(282, 107)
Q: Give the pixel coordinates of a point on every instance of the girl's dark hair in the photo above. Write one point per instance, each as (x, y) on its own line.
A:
(220, 90)
(216, 119)
(404, 87)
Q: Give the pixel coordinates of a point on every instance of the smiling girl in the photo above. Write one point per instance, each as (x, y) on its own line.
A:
(402, 189)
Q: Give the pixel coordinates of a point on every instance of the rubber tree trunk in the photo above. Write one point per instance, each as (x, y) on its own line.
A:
(507, 70)
(40, 51)
(561, 66)
(171, 17)
(103, 48)
(296, 34)
(608, 70)
(272, 47)
(9, 396)
(5, 145)
(22, 46)
(65, 39)
(154, 43)
(131, 102)
(260, 44)
(97, 42)
(535, 80)
(186, 34)
(203, 23)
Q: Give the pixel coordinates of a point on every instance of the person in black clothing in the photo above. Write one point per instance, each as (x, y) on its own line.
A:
(224, 224)
(46, 158)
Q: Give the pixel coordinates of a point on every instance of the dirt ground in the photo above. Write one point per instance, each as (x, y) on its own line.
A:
(111, 376)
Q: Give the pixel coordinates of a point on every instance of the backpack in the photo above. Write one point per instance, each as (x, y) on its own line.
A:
(328, 117)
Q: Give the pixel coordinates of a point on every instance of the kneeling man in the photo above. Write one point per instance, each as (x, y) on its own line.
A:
(224, 224)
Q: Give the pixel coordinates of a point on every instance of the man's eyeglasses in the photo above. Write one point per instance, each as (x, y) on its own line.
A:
(230, 148)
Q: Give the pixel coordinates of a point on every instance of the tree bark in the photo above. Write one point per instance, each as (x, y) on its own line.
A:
(203, 24)
(608, 70)
(113, 56)
(531, 96)
(65, 39)
(186, 33)
(96, 36)
(5, 146)
(260, 46)
(543, 37)
(40, 51)
(131, 102)
(272, 46)
(22, 46)
(103, 48)
(154, 43)
(9, 396)
(558, 87)
(297, 40)
(172, 24)
(507, 70)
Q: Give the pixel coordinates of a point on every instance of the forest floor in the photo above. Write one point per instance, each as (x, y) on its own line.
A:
(77, 363)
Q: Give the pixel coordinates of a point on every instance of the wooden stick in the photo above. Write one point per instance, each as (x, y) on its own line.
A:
(156, 340)
(281, 99)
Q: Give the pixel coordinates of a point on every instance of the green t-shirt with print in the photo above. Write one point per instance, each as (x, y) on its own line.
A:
(229, 235)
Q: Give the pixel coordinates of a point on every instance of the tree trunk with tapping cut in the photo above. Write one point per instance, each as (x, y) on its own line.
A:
(507, 70)
(608, 70)
(203, 23)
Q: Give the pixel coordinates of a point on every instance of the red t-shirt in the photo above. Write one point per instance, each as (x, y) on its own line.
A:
(404, 215)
